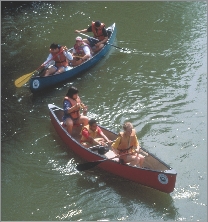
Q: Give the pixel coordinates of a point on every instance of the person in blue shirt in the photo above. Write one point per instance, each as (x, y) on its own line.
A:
(72, 105)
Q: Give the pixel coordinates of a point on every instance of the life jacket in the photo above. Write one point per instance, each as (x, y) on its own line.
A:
(98, 33)
(76, 113)
(79, 49)
(125, 143)
(93, 134)
(60, 59)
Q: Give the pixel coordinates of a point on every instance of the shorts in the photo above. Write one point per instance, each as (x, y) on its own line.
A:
(92, 41)
(68, 68)
(65, 68)
(75, 121)
(121, 160)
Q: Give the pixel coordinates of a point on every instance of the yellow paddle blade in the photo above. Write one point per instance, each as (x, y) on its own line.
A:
(23, 79)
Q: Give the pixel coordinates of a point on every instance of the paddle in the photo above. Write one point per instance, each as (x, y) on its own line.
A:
(23, 79)
(89, 165)
(106, 42)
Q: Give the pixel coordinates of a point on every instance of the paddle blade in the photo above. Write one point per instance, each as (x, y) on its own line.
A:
(23, 79)
(87, 166)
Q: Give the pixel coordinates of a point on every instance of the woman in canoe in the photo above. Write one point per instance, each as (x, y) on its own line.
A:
(72, 105)
(127, 146)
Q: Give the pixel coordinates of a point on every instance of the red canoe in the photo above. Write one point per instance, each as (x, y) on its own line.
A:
(154, 173)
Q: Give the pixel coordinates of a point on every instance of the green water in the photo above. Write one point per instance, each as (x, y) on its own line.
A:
(160, 85)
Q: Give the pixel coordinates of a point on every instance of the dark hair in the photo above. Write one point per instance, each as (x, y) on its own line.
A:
(92, 121)
(72, 90)
(97, 24)
(55, 46)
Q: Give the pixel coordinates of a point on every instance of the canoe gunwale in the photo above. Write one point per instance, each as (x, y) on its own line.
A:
(163, 181)
(72, 138)
(40, 83)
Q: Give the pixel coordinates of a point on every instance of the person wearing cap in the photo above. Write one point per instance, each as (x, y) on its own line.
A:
(81, 52)
(60, 56)
(127, 146)
(100, 35)
(72, 105)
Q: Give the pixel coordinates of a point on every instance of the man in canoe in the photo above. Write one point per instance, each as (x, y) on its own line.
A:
(81, 52)
(72, 105)
(100, 35)
(93, 135)
(60, 56)
(127, 146)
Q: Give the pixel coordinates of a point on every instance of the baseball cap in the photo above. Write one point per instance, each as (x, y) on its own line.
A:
(78, 38)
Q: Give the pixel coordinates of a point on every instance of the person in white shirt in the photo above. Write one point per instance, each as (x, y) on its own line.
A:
(61, 57)
(81, 52)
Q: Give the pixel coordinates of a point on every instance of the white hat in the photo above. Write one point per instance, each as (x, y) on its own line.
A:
(78, 38)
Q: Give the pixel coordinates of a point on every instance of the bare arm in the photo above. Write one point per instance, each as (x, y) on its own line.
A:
(105, 137)
(78, 31)
(103, 41)
(73, 108)
(138, 149)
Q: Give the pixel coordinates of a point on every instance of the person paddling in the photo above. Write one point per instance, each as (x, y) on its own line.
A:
(100, 33)
(60, 56)
(72, 105)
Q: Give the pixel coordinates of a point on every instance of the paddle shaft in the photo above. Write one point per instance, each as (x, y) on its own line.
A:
(89, 165)
(100, 161)
(106, 42)
(95, 146)
(23, 79)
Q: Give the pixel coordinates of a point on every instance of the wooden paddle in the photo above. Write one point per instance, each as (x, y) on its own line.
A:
(106, 42)
(23, 79)
(89, 165)
(79, 57)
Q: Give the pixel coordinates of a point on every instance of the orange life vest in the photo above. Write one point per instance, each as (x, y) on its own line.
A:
(93, 134)
(79, 49)
(76, 113)
(98, 33)
(125, 143)
(60, 59)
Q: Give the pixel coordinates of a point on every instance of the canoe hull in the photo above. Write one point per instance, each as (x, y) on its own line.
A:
(160, 180)
(39, 83)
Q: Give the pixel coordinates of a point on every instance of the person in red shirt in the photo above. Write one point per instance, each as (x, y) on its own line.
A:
(93, 135)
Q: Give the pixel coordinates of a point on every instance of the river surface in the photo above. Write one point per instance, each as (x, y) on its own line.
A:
(159, 84)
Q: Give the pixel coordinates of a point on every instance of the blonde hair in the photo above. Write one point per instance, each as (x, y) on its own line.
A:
(127, 125)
